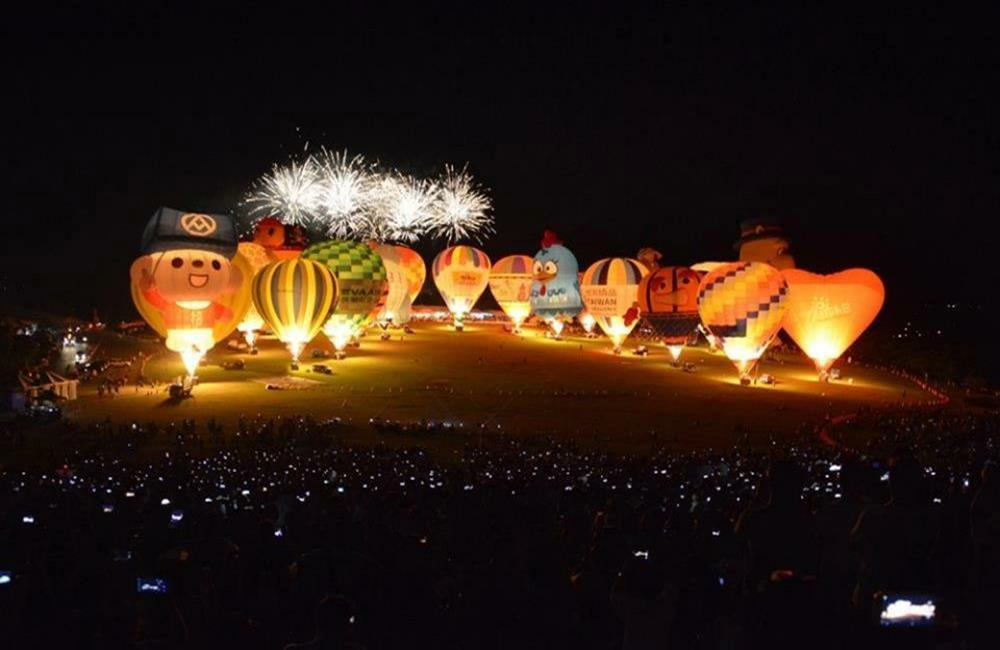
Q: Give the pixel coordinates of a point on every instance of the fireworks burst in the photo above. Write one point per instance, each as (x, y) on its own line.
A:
(346, 192)
(350, 198)
(404, 207)
(462, 210)
(291, 192)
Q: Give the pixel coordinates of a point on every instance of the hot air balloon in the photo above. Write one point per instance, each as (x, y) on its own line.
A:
(461, 273)
(703, 268)
(295, 297)
(609, 290)
(186, 284)
(587, 322)
(390, 306)
(361, 279)
(282, 242)
(827, 313)
(510, 284)
(415, 270)
(763, 240)
(555, 292)
(250, 258)
(668, 305)
(649, 257)
(743, 303)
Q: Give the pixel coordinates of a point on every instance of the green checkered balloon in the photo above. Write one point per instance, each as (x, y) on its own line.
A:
(361, 279)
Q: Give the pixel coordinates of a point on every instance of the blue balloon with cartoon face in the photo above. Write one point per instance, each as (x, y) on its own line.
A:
(555, 290)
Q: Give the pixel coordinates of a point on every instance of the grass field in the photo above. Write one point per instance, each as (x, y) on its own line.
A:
(529, 385)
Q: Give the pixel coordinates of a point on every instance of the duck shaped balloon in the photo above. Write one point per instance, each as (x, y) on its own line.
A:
(555, 290)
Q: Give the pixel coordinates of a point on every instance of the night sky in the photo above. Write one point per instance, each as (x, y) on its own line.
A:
(872, 137)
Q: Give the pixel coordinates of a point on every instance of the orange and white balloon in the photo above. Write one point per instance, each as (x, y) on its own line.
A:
(827, 313)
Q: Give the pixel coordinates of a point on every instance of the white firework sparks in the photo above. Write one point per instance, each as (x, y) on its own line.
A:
(290, 192)
(403, 207)
(462, 209)
(347, 191)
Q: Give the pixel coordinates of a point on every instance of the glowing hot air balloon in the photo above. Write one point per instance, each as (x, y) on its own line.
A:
(250, 258)
(294, 297)
(187, 285)
(743, 303)
(610, 289)
(510, 284)
(361, 279)
(415, 270)
(555, 292)
(390, 307)
(668, 304)
(827, 313)
(587, 322)
(461, 273)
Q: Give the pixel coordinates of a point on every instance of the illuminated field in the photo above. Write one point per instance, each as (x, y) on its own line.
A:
(530, 385)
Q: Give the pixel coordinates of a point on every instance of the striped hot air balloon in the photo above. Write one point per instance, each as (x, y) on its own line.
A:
(295, 297)
(743, 303)
(510, 284)
(461, 274)
(668, 305)
(361, 278)
(610, 289)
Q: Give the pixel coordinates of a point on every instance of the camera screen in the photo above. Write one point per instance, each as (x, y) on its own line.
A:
(151, 585)
(907, 610)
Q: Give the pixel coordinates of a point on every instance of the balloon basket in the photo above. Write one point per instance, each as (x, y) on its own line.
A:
(339, 355)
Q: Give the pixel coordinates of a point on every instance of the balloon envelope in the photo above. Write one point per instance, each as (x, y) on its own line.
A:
(827, 313)
(415, 270)
(294, 297)
(361, 278)
(610, 289)
(555, 292)
(237, 303)
(390, 307)
(743, 303)
(461, 273)
(668, 303)
(255, 258)
(510, 284)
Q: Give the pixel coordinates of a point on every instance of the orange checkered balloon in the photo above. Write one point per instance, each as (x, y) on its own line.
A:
(743, 304)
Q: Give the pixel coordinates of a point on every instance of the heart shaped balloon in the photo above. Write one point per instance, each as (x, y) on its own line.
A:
(827, 313)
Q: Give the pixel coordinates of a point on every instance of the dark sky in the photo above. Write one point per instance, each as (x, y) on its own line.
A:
(872, 136)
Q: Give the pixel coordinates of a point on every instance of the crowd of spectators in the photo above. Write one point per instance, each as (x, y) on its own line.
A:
(278, 534)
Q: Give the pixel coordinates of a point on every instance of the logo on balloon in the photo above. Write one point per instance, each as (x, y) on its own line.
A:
(198, 225)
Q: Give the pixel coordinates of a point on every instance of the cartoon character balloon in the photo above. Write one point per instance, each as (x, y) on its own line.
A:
(610, 290)
(827, 313)
(295, 297)
(251, 258)
(186, 285)
(649, 257)
(764, 240)
(555, 292)
(461, 273)
(361, 279)
(743, 304)
(280, 241)
(668, 305)
(510, 284)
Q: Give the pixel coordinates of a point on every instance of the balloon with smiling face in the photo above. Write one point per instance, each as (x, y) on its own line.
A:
(668, 305)
(555, 289)
(186, 285)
